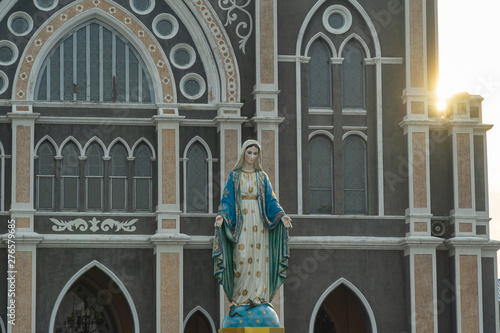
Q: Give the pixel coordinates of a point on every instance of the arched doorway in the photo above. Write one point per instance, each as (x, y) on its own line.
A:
(342, 309)
(95, 301)
(198, 321)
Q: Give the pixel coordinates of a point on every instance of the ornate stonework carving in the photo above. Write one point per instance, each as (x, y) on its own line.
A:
(243, 28)
(82, 225)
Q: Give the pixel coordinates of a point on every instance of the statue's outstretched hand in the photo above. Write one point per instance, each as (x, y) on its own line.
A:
(287, 221)
(218, 221)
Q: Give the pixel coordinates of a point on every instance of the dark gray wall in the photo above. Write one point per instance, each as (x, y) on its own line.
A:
(134, 267)
(377, 274)
(488, 284)
(200, 286)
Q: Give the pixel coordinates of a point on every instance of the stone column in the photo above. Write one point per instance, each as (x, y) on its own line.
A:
(168, 242)
(168, 209)
(169, 249)
(465, 246)
(421, 247)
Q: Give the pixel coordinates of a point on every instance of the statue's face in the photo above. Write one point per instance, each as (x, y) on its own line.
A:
(251, 155)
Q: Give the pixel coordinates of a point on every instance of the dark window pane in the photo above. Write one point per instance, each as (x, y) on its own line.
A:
(182, 57)
(6, 54)
(164, 27)
(46, 161)
(336, 20)
(319, 75)
(142, 193)
(142, 162)
(120, 70)
(107, 59)
(81, 65)
(119, 161)
(197, 180)
(94, 193)
(94, 62)
(20, 25)
(321, 202)
(70, 161)
(353, 78)
(118, 193)
(321, 175)
(68, 68)
(42, 88)
(55, 76)
(142, 5)
(354, 155)
(45, 192)
(94, 164)
(133, 77)
(70, 192)
(192, 87)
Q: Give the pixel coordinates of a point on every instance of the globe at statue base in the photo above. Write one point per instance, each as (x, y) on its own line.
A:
(252, 330)
(259, 316)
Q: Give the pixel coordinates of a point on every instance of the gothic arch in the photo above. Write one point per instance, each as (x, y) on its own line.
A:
(146, 142)
(115, 142)
(359, 8)
(357, 38)
(321, 37)
(80, 273)
(69, 17)
(344, 282)
(204, 312)
(75, 141)
(99, 142)
(49, 140)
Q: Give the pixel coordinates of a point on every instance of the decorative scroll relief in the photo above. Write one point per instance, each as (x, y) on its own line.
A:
(82, 225)
(243, 29)
(225, 52)
(26, 77)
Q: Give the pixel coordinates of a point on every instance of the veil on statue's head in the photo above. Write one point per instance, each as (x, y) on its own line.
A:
(241, 156)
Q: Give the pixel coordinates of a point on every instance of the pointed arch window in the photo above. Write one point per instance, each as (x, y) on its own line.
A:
(353, 76)
(70, 177)
(94, 64)
(319, 76)
(94, 173)
(46, 176)
(197, 180)
(118, 177)
(355, 182)
(142, 178)
(321, 175)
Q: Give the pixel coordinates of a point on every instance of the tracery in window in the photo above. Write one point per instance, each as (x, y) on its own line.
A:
(94, 64)
(118, 177)
(142, 178)
(353, 76)
(355, 182)
(197, 180)
(321, 175)
(45, 177)
(94, 173)
(319, 76)
(70, 176)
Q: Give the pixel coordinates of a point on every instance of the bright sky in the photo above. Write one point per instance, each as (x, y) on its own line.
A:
(469, 60)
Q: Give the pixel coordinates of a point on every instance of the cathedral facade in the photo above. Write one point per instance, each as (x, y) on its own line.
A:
(120, 121)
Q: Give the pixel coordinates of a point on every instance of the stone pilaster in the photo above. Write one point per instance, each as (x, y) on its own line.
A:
(421, 247)
(463, 119)
(266, 36)
(168, 249)
(168, 209)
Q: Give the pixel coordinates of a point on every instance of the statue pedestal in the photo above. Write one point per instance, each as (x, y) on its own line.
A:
(252, 330)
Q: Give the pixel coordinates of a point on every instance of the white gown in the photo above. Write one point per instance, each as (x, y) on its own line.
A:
(250, 256)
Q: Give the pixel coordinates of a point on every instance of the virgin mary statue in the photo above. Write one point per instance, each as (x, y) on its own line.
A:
(250, 249)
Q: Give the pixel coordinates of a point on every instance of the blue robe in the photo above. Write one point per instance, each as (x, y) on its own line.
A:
(227, 236)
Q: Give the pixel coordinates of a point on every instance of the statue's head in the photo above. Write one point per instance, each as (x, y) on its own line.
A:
(241, 156)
